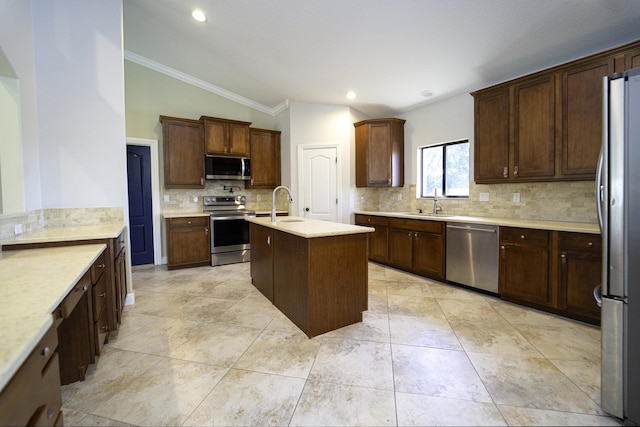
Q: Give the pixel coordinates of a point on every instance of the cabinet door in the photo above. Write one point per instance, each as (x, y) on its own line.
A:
(188, 242)
(582, 117)
(491, 145)
(262, 259)
(428, 254)
(120, 283)
(183, 150)
(632, 59)
(379, 244)
(580, 260)
(401, 248)
(379, 155)
(215, 137)
(265, 159)
(239, 140)
(524, 265)
(534, 129)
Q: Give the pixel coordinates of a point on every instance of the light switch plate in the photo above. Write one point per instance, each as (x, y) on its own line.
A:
(166, 198)
(484, 197)
(17, 229)
(516, 197)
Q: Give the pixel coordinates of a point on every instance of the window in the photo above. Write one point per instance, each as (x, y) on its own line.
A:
(444, 168)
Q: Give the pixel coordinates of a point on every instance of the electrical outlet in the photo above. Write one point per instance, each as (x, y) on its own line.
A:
(484, 197)
(195, 199)
(166, 198)
(516, 197)
(259, 197)
(17, 229)
(399, 196)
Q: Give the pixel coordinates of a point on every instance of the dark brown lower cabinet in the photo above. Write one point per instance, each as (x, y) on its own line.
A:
(524, 265)
(580, 271)
(378, 245)
(551, 270)
(262, 259)
(33, 396)
(76, 344)
(188, 243)
(418, 246)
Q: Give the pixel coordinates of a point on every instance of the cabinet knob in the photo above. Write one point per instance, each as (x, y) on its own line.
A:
(515, 171)
(563, 258)
(505, 172)
(101, 266)
(189, 222)
(590, 244)
(269, 240)
(46, 352)
(84, 288)
(102, 295)
(522, 236)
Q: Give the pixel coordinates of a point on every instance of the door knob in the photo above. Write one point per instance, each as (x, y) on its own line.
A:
(306, 209)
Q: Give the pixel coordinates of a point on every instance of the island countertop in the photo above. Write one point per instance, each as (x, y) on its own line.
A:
(34, 282)
(310, 228)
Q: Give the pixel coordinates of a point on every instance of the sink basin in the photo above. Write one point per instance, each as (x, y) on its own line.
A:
(290, 220)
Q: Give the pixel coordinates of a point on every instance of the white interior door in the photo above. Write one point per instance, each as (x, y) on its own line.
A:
(319, 183)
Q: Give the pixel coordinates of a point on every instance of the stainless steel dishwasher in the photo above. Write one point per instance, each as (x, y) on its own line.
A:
(472, 255)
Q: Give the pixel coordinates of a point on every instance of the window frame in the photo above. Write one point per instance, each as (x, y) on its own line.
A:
(419, 190)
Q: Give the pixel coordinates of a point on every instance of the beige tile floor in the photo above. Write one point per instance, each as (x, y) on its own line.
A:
(202, 347)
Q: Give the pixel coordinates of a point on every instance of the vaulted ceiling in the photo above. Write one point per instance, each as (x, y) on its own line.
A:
(265, 52)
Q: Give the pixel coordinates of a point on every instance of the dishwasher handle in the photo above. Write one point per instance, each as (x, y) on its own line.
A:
(486, 230)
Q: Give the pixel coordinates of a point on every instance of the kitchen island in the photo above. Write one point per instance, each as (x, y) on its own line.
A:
(314, 272)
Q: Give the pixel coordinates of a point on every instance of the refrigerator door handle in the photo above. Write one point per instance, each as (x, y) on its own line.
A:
(600, 188)
(597, 295)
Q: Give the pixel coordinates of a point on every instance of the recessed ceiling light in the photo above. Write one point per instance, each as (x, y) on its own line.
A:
(426, 93)
(199, 15)
(351, 95)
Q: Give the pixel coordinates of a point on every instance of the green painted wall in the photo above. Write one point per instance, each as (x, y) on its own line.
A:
(149, 94)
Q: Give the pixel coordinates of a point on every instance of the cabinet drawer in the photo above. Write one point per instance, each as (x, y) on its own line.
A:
(33, 394)
(418, 225)
(524, 236)
(586, 243)
(66, 306)
(97, 269)
(191, 221)
(371, 220)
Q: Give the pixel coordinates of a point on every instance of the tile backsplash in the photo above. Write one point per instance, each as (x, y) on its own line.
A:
(572, 201)
(42, 218)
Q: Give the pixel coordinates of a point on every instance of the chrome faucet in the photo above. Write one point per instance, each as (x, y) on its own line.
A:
(436, 206)
(273, 201)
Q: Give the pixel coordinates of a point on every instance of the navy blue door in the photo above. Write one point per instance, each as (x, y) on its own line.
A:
(140, 213)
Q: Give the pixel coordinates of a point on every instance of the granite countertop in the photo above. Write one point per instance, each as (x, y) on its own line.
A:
(310, 228)
(34, 282)
(578, 227)
(68, 233)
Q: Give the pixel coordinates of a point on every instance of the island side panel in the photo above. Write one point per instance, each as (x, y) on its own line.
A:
(291, 277)
(338, 286)
(261, 240)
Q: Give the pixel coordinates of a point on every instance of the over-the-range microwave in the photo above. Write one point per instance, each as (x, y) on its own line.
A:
(222, 167)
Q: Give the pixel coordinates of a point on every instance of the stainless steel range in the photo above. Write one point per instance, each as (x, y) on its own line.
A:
(229, 230)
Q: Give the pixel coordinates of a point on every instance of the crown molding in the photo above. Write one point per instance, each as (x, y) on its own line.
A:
(189, 79)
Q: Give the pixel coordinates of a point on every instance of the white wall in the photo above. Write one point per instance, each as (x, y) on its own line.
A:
(321, 124)
(447, 120)
(80, 102)
(16, 41)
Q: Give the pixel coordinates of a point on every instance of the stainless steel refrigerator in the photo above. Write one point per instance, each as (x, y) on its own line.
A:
(618, 201)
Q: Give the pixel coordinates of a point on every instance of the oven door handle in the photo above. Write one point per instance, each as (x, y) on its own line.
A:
(216, 218)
